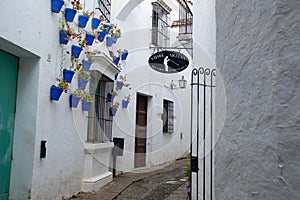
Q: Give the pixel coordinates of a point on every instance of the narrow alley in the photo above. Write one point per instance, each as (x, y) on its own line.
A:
(164, 182)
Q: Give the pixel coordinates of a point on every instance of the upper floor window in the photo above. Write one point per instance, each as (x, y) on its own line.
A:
(160, 25)
(168, 116)
(185, 18)
(104, 8)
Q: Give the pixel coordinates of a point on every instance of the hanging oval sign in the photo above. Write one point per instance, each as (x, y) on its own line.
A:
(168, 62)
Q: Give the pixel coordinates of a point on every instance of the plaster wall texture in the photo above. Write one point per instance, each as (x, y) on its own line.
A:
(258, 45)
(34, 38)
(204, 29)
(136, 37)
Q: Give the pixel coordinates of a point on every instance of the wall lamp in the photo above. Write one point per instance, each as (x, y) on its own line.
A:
(181, 83)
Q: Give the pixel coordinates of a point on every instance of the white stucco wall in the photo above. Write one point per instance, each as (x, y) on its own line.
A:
(204, 35)
(136, 37)
(34, 38)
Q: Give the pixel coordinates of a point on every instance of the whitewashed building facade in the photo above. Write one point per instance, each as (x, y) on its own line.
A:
(49, 150)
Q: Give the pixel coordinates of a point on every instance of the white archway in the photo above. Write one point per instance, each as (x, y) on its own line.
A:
(130, 5)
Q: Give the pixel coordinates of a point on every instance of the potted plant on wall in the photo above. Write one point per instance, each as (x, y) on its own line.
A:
(83, 79)
(113, 109)
(89, 60)
(71, 12)
(76, 50)
(83, 19)
(66, 33)
(111, 95)
(104, 30)
(96, 22)
(124, 54)
(116, 34)
(126, 101)
(69, 73)
(122, 82)
(87, 99)
(56, 5)
(89, 36)
(75, 98)
(56, 91)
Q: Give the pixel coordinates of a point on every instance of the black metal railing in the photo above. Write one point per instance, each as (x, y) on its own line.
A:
(185, 18)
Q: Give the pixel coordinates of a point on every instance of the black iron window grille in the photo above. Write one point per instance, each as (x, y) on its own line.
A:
(168, 116)
(104, 8)
(185, 18)
(99, 120)
(160, 25)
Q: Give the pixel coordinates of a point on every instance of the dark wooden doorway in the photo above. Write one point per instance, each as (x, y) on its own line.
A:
(140, 131)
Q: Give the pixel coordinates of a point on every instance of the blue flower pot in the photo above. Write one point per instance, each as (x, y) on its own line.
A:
(70, 14)
(116, 60)
(116, 76)
(85, 105)
(68, 75)
(63, 37)
(82, 20)
(56, 5)
(125, 103)
(115, 39)
(112, 111)
(110, 97)
(82, 83)
(120, 85)
(75, 51)
(95, 23)
(101, 36)
(109, 41)
(74, 100)
(124, 55)
(107, 28)
(89, 39)
(86, 64)
(55, 92)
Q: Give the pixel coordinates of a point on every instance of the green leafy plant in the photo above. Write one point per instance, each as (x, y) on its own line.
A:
(63, 85)
(86, 96)
(127, 98)
(90, 55)
(114, 91)
(82, 42)
(116, 105)
(83, 74)
(75, 65)
(124, 80)
(77, 92)
(88, 13)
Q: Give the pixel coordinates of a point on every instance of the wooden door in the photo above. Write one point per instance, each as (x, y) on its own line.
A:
(8, 90)
(140, 131)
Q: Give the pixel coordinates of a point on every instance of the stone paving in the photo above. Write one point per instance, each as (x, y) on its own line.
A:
(164, 182)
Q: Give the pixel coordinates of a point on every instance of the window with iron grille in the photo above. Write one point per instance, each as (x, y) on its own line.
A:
(104, 8)
(168, 116)
(160, 25)
(185, 19)
(99, 121)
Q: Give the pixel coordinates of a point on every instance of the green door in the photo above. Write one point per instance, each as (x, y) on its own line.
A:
(8, 90)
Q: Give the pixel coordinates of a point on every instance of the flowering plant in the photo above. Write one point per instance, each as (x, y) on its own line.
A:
(76, 5)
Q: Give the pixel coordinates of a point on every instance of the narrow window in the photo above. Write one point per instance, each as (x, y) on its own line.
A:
(160, 25)
(185, 18)
(168, 116)
(99, 121)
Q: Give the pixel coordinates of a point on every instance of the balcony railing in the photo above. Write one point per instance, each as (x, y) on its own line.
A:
(185, 21)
